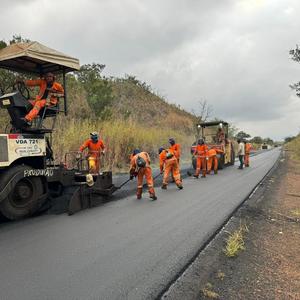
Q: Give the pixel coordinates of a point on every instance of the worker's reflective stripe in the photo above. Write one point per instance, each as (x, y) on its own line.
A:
(140, 186)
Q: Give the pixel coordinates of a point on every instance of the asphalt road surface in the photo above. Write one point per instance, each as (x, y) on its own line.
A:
(126, 249)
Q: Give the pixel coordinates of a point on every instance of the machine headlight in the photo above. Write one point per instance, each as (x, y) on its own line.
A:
(5, 102)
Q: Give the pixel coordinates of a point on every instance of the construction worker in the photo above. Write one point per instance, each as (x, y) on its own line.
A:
(213, 159)
(175, 148)
(49, 91)
(140, 167)
(168, 163)
(247, 153)
(201, 154)
(96, 147)
(241, 153)
(220, 134)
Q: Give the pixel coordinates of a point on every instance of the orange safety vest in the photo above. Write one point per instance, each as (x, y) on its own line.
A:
(201, 150)
(133, 163)
(94, 148)
(176, 150)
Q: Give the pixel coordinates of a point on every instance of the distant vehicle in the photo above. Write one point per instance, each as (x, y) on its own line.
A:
(215, 135)
(264, 146)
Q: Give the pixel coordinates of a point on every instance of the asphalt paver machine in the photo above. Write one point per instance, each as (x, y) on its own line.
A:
(30, 180)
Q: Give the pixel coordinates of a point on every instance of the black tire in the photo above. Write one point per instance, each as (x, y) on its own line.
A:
(221, 162)
(194, 162)
(24, 198)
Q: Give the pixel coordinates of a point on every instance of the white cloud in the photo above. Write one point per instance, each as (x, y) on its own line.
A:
(233, 53)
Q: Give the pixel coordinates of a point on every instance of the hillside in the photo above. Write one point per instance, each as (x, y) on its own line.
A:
(126, 112)
(139, 104)
(134, 118)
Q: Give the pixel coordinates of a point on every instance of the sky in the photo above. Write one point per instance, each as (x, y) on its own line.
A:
(232, 53)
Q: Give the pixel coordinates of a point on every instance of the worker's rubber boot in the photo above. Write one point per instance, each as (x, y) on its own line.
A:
(152, 196)
(179, 185)
(215, 171)
(203, 175)
(196, 176)
(139, 193)
(164, 186)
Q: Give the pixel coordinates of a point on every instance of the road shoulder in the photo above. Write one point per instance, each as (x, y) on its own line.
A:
(268, 267)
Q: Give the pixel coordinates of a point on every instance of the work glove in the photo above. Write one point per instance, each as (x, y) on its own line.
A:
(131, 176)
(206, 158)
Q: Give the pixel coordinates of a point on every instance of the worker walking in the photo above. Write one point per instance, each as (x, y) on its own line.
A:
(96, 148)
(201, 155)
(241, 153)
(140, 168)
(49, 92)
(247, 153)
(168, 163)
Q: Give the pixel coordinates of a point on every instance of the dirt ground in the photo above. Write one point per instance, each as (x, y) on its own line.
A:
(269, 267)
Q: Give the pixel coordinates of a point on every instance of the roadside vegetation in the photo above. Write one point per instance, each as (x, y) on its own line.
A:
(126, 112)
(235, 241)
(293, 145)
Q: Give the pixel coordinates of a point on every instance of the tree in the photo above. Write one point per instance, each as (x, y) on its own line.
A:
(257, 140)
(295, 55)
(232, 130)
(242, 135)
(268, 141)
(8, 78)
(204, 112)
(98, 88)
(289, 139)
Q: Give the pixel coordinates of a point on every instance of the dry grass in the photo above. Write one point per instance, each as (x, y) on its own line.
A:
(220, 275)
(295, 212)
(209, 293)
(235, 242)
(294, 147)
(120, 138)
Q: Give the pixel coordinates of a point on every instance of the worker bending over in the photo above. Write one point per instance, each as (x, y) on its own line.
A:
(140, 167)
(201, 155)
(213, 159)
(49, 92)
(168, 163)
(95, 147)
(247, 154)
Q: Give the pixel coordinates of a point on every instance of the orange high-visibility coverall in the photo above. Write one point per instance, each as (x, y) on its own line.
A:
(212, 159)
(176, 150)
(169, 165)
(39, 102)
(141, 172)
(93, 154)
(247, 154)
(201, 153)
